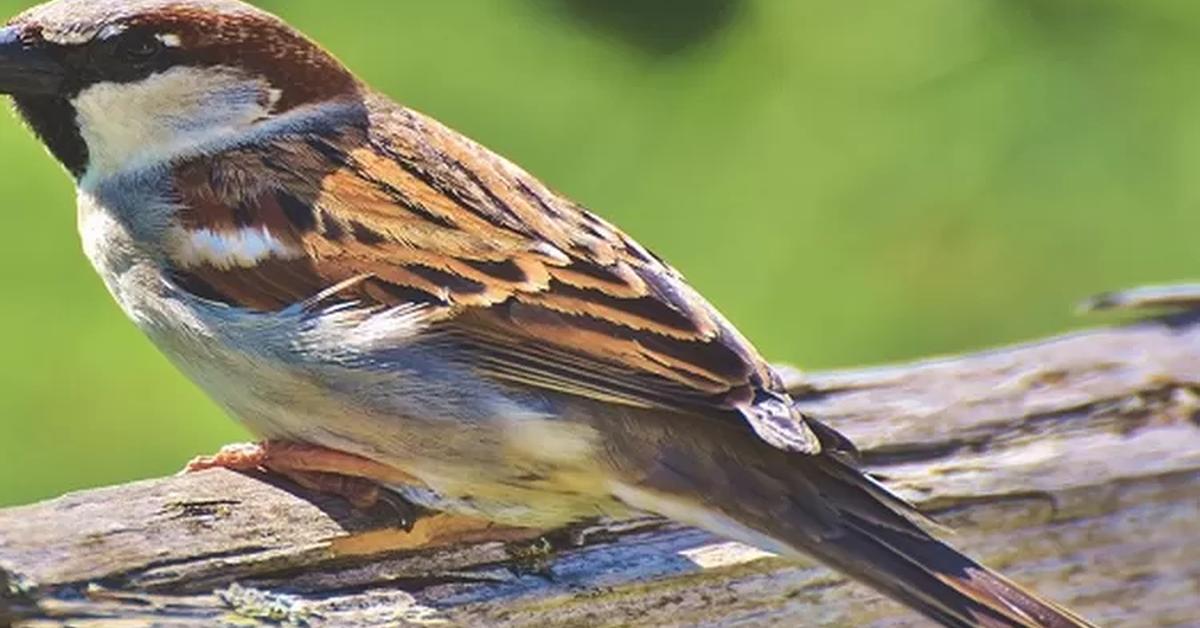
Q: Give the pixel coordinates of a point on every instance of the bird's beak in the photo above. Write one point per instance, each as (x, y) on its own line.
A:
(26, 70)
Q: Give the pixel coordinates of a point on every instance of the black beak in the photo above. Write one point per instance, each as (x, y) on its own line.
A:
(27, 70)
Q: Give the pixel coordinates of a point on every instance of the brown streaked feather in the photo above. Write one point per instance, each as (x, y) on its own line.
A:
(544, 292)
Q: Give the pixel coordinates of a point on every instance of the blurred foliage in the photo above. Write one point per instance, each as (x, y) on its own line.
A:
(850, 181)
(658, 26)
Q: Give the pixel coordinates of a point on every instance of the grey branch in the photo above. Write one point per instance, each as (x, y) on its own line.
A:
(1073, 465)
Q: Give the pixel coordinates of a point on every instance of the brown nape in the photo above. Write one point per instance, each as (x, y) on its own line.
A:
(258, 44)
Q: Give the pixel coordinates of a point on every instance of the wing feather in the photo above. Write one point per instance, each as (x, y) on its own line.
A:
(543, 292)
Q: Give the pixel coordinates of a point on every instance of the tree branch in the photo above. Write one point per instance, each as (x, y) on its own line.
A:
(1072, 465)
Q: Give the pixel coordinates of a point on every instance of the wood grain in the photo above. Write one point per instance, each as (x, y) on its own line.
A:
(1072, 465)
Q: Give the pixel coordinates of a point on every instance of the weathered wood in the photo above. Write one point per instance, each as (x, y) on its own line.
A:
(1073, 465)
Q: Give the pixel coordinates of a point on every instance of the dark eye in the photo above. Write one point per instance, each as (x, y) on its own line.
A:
(138, 48)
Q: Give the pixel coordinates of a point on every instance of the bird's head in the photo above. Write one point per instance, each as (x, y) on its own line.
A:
(113, 85)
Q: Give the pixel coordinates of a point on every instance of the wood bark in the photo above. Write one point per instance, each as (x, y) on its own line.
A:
(1072, 465)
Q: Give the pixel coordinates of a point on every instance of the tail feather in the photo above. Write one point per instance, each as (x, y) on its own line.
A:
(882, 541)
(822, 507)
(885, 542)
(934, 579)
(711, 475)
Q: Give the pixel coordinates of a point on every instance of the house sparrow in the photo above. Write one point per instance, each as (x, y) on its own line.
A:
(378, 297)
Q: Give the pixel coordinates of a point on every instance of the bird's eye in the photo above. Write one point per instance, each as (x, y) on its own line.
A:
(139, 48)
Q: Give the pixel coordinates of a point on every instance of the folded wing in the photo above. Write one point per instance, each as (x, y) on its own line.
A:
(411, 213)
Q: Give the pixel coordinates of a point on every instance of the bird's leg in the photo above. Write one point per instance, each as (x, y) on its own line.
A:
(360, 482)
(320, 469)
(287, 457)
(361, 493)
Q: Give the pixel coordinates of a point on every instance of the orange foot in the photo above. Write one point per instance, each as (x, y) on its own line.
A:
(359, 481)
(319, 469)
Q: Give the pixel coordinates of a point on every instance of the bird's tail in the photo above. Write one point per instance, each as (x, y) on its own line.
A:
(916, 569)
(822, 506)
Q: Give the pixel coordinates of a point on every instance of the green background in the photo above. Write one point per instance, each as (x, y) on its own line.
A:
(850, 181)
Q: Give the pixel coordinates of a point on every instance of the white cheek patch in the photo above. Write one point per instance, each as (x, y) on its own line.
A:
(242, 248)
(128, 126)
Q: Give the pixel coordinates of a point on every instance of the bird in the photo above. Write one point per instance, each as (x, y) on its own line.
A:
(390, 306)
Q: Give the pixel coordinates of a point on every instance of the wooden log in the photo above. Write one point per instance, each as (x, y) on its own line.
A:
(1072, 465)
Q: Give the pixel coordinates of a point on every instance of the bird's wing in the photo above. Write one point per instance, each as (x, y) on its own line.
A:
(546, 293)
